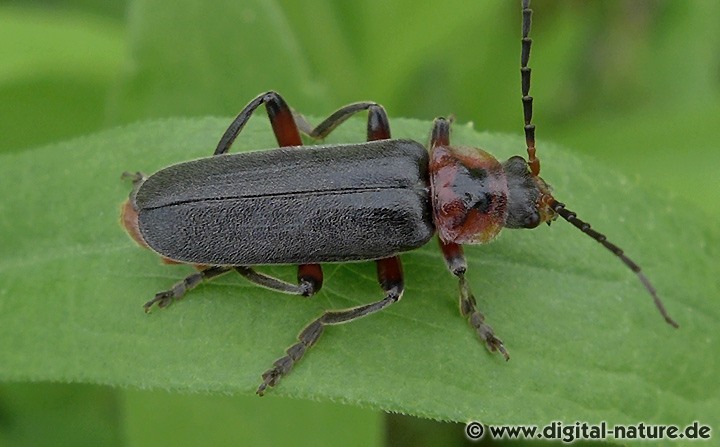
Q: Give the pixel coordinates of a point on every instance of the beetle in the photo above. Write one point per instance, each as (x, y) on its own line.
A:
(308, 205)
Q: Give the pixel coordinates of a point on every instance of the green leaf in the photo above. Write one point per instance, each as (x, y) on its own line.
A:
(585, 340)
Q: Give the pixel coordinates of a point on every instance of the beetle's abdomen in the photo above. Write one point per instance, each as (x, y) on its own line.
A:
(288, 206)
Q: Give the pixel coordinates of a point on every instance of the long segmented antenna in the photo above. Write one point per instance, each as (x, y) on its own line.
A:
(534, 165)
(571, 217)
(527, 100)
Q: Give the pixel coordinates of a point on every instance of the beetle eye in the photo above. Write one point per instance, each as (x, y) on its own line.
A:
(532, 219)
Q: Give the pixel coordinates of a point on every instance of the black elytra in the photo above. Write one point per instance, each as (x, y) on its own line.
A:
(309, 205)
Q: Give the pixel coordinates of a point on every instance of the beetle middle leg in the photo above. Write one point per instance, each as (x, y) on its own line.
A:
(455, 260)
(287, 134)
(389, 271)
(287, 127)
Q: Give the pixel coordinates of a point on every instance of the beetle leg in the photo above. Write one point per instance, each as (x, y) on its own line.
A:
(440, 135)
(310, 279)
(281, 119)
(165, 298)
(378, 126)
(389, 269)
(137, 179)
(455, 261)
(390, 276)
(287, 134)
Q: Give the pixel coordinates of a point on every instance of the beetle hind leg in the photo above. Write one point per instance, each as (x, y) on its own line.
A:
(166, 297)
(389, 272)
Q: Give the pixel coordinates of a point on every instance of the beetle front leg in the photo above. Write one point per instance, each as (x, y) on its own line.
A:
(455, 260)
(165, 298)
(389, 271)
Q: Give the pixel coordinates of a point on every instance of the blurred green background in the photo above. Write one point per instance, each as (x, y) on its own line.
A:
(635, 83)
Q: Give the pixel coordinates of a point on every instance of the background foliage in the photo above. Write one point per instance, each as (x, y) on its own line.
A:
(635, 84)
